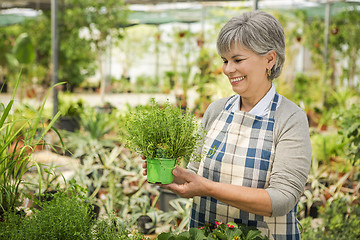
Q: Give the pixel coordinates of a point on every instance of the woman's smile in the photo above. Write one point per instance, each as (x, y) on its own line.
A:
(236, 80)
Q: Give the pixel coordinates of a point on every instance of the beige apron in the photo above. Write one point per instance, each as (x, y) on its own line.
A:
(240, 151)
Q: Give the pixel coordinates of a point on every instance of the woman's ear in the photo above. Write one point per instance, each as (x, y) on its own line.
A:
(271, 58)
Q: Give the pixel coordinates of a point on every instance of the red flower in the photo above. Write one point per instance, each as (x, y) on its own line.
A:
(230, 226)
(218, 223)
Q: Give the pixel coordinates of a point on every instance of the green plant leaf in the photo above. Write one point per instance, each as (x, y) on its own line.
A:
(12, 60)
(196, 234)
(165, 236)
(220, 235)
(252, 234)
(24, 50)
(6, 113)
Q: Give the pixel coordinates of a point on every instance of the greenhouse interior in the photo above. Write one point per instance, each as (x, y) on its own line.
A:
(94, 93)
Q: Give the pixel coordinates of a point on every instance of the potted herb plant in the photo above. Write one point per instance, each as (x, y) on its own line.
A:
(165, 135)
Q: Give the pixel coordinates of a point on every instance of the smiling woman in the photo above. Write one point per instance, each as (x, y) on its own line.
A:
(257, 147)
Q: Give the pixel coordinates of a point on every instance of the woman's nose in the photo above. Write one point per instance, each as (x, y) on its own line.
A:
(229, 68)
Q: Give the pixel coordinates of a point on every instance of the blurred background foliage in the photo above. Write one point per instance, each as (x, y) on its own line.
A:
(187, 69)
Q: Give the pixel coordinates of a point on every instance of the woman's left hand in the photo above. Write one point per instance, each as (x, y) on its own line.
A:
(187, 184)
(193, 184)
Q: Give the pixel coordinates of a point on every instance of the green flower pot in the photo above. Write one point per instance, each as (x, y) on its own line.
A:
(159, 170)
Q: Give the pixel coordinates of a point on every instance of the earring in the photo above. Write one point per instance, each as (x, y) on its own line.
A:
(268, 72)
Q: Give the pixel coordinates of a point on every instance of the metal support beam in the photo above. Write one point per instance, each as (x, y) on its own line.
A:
(326, 46)
(255, 5)
(326, 32)
(54, 52)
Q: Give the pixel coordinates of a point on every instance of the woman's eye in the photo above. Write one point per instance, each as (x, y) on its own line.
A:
(225, 61)
(238, 60)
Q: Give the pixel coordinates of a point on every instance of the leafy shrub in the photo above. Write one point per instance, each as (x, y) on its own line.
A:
(67, 216)
(341, 221)
(326, 145)
(113, 229)
(222, 231)
(349, 130)
(11, 226)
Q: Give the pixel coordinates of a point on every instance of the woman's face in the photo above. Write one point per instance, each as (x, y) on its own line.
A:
(246, 72)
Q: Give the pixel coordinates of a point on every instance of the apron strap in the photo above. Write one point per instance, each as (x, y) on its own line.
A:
(273, 105)
(231, 102)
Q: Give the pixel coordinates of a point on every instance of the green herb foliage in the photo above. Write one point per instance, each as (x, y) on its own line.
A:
(68, 215)
(163, 131)
(113, 229)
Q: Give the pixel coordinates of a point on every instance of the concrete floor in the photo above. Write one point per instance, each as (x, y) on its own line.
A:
(119, 100)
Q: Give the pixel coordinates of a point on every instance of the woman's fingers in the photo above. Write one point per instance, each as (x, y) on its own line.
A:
(184, 174)
(181, 186)
(144, 166)
(193, 184)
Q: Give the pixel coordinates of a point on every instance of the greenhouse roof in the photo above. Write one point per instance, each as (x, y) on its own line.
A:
(167, 11)
(46, 4)
(9, 19)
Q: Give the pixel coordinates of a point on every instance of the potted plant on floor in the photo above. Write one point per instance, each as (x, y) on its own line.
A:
(70, 114)
(143, 209)
(165, 135)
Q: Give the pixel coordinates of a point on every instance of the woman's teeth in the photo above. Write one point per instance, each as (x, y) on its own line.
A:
(237, 79)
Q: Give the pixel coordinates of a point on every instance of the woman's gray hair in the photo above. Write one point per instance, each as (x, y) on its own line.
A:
(257, 31)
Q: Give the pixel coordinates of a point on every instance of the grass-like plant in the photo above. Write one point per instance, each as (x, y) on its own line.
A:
(163, 131)
(18, 139)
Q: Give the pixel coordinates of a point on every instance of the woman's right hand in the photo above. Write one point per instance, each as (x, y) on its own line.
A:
(144, 165)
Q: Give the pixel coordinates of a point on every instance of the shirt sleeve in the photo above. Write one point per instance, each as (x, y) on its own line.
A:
(291, 164)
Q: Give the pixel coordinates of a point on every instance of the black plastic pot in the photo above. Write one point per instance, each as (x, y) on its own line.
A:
(145, 224)
(69, 123)
(95, 211)
(314, 209)
(4, 87)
